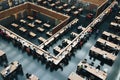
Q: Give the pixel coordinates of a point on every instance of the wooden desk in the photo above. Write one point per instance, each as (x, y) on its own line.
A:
(49, 0)
(68, 10)
(113, 24)
(14, 25)
(31, 25)
(76, 12)
(40, 29)
(60, 7)
(57, 3)
(56, 36)
(30, 17)
(95, 72)
(22, 21)
(11, 35)
(32, 34)
(41, 39)
(98, 51)
(23, 29)
(73, 7)
(38, 21)
(110, 44)
(33, 77)
(39, 52)
(67, 41)
(62, 31)
(46, 25)
(52, 5)
(9, 70)
(49, 33)
(57, 49)
(105, 33)
(44, 2)
(74, 76)
(117, 17)
(80, 10)
(49, 40)
(65, 5)
(39, 1)
(74, 34)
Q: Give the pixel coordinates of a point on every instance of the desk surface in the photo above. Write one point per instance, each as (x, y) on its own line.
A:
(100, 74)
(22, 29)
(1, 53)
(46, 25)
(38, 21)
(53, 4)
(74, 76)
(75, 12)
(41, 39)
(102, 52)
(68, 41)
(73, 7)
(68, 10)
(23, 21)
(113, 35)
(64, 5)
(14, 24)
(73, 33)
(110, 44)
(11, 68)
(58, 49)
(113, 24)
(31, 25)
(117, 17)
(30, 17)
(60, 7)
(49, 33)
(80, 9)
(44, 2)
(32, 34)
(40, 29)
(58, 2)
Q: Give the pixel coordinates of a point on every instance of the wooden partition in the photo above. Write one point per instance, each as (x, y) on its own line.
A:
(52, 14)
(11, 11)
(59, 26)
(30, 7)
(48, 12)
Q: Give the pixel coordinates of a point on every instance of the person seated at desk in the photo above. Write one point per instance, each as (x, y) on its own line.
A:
(114, 40)
(19, 44)
(64, 43)
(72, 36)
(115, 51)
(32, 49)
(98, 67)
(104, 46)
(105, 56)
(60, 46)
(28, 75)
(109, 38)
(2, 32)
(43, 59)
(79, 29)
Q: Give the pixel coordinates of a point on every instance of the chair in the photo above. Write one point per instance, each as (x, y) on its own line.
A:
(92, 64)
(28, 75)
(98, 67)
